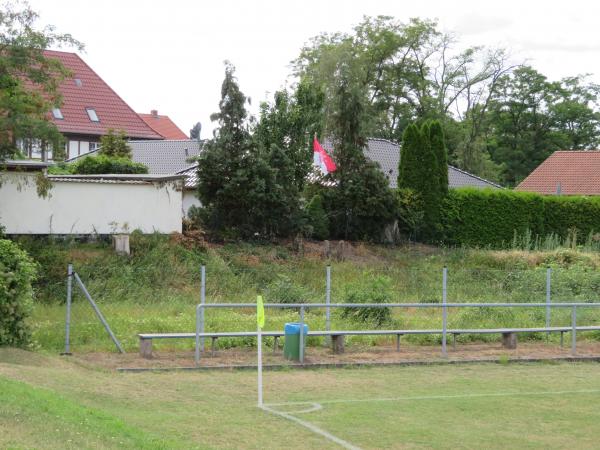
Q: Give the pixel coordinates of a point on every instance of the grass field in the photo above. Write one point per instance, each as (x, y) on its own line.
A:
(52, 402)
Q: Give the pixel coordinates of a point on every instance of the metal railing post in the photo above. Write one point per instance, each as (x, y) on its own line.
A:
(328, 299)
(444, 310)
(197, 341)
(574, 331)
(202, 302)
(301, 335)
(68, 317)
(548, 295)
(98, 313)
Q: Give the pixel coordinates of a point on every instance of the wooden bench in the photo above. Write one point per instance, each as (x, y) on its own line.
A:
(509, 336)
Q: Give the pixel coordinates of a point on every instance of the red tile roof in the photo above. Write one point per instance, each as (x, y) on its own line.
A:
(94, 93)
(163, 125)
(578, 173)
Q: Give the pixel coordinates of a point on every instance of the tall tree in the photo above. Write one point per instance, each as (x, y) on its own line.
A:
(195, 131)
(29, 81)
(361, 204)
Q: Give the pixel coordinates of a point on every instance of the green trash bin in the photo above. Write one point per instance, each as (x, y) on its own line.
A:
(291, 347)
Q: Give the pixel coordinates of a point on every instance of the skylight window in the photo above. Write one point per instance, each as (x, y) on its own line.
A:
(92, 114)
(77, 82)
(57, 113)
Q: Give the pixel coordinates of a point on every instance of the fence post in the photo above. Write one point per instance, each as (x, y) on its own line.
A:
(574, 331)
(98, 313)
(197, 341)
(68, 317)
(328, 299)
(548, 295)
(444, 309)
(301, 335)
(202, 302)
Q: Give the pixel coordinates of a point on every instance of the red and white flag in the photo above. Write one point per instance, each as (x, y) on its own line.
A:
(321, 159)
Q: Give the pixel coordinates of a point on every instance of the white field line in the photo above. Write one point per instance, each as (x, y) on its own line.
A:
(311, 427)
(433, 397)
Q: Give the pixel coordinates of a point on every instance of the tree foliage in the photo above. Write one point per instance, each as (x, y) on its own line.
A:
(361, 204)
(195, 131)
(29, 81)
(17, 272)
(114, 145)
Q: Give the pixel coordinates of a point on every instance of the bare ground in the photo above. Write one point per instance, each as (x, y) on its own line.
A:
(355, 354)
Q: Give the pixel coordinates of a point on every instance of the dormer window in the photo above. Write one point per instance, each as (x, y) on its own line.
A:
(92, 114)
(57, 113)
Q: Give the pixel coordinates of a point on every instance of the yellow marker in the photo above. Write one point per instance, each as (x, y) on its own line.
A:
(260, 312)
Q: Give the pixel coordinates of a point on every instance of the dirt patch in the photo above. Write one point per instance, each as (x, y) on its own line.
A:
(353, 355)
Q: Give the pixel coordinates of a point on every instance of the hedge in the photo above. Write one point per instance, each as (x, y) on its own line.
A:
(101, 164)
(17, 272)
(491, 217)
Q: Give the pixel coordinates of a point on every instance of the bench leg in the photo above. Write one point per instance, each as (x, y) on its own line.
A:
(275, 343)
(397, 342)
(562, 338)
(509, 340)
(337, 344)
(146, 348)
(213, 346)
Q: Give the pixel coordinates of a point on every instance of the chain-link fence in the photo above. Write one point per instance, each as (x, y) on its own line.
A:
(161, 299)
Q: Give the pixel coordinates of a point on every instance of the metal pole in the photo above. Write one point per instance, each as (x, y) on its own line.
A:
(260, 383)
(197, 342)
(98, 313)
(328, 299)
(574, 331)
(548, 295)
(202, 302)
(68, 318)
(444, 309)
(302, 335)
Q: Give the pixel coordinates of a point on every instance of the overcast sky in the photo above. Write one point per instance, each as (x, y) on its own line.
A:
(168, 55)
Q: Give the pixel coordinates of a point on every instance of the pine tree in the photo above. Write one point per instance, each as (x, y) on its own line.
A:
(438, 146)
(317, 218)
(115, 145)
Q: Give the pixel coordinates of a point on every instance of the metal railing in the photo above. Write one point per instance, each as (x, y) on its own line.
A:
(200, 309)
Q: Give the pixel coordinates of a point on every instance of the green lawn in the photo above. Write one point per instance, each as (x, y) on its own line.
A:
(51, 402)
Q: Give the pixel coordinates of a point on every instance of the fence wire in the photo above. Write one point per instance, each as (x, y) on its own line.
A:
(162, 300)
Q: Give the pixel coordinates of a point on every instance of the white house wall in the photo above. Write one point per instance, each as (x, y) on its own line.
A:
(189, 200)
(88, 207)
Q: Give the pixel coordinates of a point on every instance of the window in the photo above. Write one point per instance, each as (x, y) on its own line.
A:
(93, 146)
(57, 113)
(77, 82)
(92, 114)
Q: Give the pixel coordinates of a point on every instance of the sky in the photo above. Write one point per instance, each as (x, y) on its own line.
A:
(168, 55)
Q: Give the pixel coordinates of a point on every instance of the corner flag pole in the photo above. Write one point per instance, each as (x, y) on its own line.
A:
(260, 322)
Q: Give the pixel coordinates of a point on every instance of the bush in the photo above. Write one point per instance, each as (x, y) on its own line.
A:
(284, 290)
(102, 164)
(17, 272)
(377, 290)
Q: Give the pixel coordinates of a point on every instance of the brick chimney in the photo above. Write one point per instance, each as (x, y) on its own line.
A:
(154, 113)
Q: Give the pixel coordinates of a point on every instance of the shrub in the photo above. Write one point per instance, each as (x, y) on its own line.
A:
(115, 145)
(283, 290)
(17, 272)
(102, 164)
(377, 290)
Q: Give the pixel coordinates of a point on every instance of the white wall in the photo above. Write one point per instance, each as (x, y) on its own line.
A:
(88, 207)
(190, 199)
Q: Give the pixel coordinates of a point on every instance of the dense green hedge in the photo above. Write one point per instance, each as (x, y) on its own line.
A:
(17, 272)
(101, 164)
(492, 217)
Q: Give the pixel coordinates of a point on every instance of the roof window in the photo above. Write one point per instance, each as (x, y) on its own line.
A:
(57, 113)
(92, 114)
(77, 82)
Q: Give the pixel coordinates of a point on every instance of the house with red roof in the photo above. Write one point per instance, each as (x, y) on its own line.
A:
(90, 107)
(569, 172)
(163, 125)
